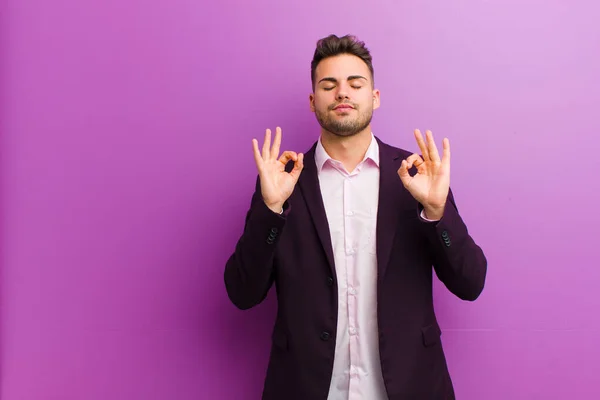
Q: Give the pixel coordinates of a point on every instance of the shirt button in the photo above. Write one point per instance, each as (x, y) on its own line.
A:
(352, 330)
(350, 213)
(352, 291)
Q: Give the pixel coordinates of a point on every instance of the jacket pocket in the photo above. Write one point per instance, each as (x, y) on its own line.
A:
(431, 334)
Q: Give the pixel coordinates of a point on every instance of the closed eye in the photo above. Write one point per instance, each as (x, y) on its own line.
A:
(333, 87)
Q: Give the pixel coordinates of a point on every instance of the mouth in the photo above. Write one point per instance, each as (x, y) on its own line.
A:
(343, 107)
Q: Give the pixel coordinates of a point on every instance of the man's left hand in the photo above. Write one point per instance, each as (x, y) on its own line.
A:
(431, 183)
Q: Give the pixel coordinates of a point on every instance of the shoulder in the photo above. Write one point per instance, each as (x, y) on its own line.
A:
(396, 152)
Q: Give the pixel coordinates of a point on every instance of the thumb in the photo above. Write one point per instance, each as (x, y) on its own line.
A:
(298, 166)
(403, 173)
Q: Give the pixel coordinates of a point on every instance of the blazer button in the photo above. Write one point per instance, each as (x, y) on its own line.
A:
(325, 336)
(330, 281)
(444, 234)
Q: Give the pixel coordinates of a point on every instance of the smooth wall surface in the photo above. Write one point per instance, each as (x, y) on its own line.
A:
(127, 169)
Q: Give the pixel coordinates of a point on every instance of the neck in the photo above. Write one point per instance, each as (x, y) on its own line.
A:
(349, 150)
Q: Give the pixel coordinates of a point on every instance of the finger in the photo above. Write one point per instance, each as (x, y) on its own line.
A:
(286, 156)
(403, 172)
(415, 160)
(257, 158)
(446, 154)
(422, 144)
(276, 144)
(432, 148)
(298, 166)
(266, 145)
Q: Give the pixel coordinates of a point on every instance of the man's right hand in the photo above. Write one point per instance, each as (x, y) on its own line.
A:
(276, 184)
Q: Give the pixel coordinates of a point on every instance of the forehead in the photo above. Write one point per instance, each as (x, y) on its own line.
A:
(342, 66)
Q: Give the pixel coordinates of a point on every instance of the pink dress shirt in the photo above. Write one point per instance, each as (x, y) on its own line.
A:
(351, 200)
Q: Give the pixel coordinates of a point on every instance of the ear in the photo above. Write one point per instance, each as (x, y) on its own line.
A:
(376, 99)
(311, 99)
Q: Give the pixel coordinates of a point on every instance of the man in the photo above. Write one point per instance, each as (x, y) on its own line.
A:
(348, 233)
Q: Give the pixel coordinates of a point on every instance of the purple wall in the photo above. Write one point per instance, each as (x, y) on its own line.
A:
(126, 170)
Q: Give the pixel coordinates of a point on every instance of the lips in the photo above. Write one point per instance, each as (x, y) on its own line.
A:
(344, 107)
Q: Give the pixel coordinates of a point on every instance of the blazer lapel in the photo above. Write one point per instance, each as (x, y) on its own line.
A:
(309, 185)
(392, 195)
(390, 203)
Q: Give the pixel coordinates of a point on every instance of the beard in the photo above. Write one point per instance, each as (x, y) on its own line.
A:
(344, 126)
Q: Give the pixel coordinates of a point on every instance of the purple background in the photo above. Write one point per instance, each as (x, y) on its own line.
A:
(126, 171)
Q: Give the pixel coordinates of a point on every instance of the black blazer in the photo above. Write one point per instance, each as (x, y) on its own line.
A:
(294, 251)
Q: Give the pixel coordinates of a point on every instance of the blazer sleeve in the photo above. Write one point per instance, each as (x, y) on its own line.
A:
(458, 261)
(249, 271)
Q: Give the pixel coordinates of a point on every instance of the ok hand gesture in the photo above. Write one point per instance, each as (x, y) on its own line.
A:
(276, 184)
(431, 184)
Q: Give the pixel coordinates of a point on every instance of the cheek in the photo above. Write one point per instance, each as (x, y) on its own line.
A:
(321, 102)
(368, 101)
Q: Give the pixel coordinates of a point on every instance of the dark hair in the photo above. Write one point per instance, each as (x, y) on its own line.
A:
(332, 45)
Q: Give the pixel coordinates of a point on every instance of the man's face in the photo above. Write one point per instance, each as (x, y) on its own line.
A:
(344, 98)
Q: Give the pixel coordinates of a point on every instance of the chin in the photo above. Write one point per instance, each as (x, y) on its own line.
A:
(344, 133)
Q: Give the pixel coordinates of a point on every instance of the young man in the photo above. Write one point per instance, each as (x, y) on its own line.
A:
(349, 233)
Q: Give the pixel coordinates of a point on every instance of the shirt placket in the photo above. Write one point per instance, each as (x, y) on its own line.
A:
(351, 255)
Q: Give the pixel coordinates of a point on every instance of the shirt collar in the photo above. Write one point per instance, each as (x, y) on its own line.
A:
(321, 156)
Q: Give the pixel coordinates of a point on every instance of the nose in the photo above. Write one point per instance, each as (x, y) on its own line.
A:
(342, 93)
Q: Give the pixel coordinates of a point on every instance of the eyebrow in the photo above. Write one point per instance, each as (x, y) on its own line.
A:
(350, 78)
